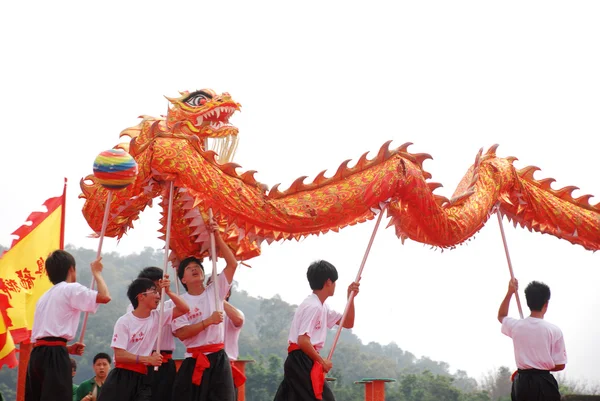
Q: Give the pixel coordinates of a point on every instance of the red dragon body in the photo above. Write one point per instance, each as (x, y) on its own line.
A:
(174, 149)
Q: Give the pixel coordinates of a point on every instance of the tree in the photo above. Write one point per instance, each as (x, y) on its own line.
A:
(264, 377)
(498, 384)
(273, 324)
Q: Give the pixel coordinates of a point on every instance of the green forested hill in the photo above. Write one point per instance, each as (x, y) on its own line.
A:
(264, 339)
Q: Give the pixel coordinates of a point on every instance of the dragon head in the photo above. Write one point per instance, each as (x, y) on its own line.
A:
(205, 113)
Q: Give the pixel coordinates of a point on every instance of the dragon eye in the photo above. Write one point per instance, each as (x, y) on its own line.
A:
(197, 99)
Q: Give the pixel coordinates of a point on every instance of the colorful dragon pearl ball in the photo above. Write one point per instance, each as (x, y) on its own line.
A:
(115, 169)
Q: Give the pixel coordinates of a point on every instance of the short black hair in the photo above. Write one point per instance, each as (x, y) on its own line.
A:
(73, 364)
(319, 272)
(58, 264)
(102, 355)
(151, 272)
(183, 265)
(138, 286)
(537, 294)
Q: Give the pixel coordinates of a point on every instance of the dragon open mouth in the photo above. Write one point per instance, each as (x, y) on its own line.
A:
(217, 117)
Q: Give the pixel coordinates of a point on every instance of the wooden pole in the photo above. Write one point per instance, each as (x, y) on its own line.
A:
(358, 276)
(510, 269)
(93, 283)
(165, 265)
(213, 258)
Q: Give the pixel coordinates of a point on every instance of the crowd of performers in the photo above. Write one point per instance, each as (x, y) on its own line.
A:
(209, 328)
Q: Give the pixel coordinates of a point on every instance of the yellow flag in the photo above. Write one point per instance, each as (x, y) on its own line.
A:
(23, 276)
(7, 345)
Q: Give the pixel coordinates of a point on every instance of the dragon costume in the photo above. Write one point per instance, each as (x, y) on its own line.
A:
(174, 148)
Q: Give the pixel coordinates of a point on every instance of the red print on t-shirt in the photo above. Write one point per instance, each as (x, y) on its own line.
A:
(137, 337)
(318, 325)
(115, 338)
(191, 315)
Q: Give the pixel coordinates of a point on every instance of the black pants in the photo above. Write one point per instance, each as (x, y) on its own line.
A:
(126, 385)
(49, 374)
(161, 381)
(534, 385)
(216, 385)
(296, 384)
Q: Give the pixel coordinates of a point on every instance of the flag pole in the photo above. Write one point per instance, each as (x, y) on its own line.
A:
(165, 265)
(62, 217)
(358, 276)
(510, 269)
(102, 232)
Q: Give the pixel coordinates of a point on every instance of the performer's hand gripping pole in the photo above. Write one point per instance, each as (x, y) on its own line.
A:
(165, 265)
(510, 269)
(102, 232)
(358, 276)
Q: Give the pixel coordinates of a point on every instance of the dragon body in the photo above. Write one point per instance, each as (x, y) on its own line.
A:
(174, 148)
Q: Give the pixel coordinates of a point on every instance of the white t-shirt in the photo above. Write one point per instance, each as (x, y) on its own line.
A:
(58, 310)
(537, 343)
(139, 336)
(201, 307)
(167, 340)
(232, 336)
(313, 318)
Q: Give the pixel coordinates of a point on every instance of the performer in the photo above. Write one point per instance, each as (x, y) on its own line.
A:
(161, 380)
(233, 322)
(55, 323)
(304, 368)
(539, 346)
(205, 374)
(90, 389)
(134, 337)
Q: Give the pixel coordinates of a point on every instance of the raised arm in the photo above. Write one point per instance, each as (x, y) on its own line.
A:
(227, 253)
(103, 296)
(181, 307)
(234, 314)
(349, 322)
(513, 286)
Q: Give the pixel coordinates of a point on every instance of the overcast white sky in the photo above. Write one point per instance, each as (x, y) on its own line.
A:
(319, 83)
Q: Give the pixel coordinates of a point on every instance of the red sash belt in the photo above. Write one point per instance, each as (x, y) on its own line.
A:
(46, 343)
(134, 367)
(238, 377)
(202, 362)
(512, 377)
(167, 356)
(317, 374)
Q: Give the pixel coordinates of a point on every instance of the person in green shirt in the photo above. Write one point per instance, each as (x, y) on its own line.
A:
(89, 390)
(73, 372)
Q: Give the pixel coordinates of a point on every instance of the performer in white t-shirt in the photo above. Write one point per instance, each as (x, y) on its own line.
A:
(161, 380)
(304, 368)
(133, 341)
(233, 322)
(205, 374)
(539, 346)
(55, 323)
